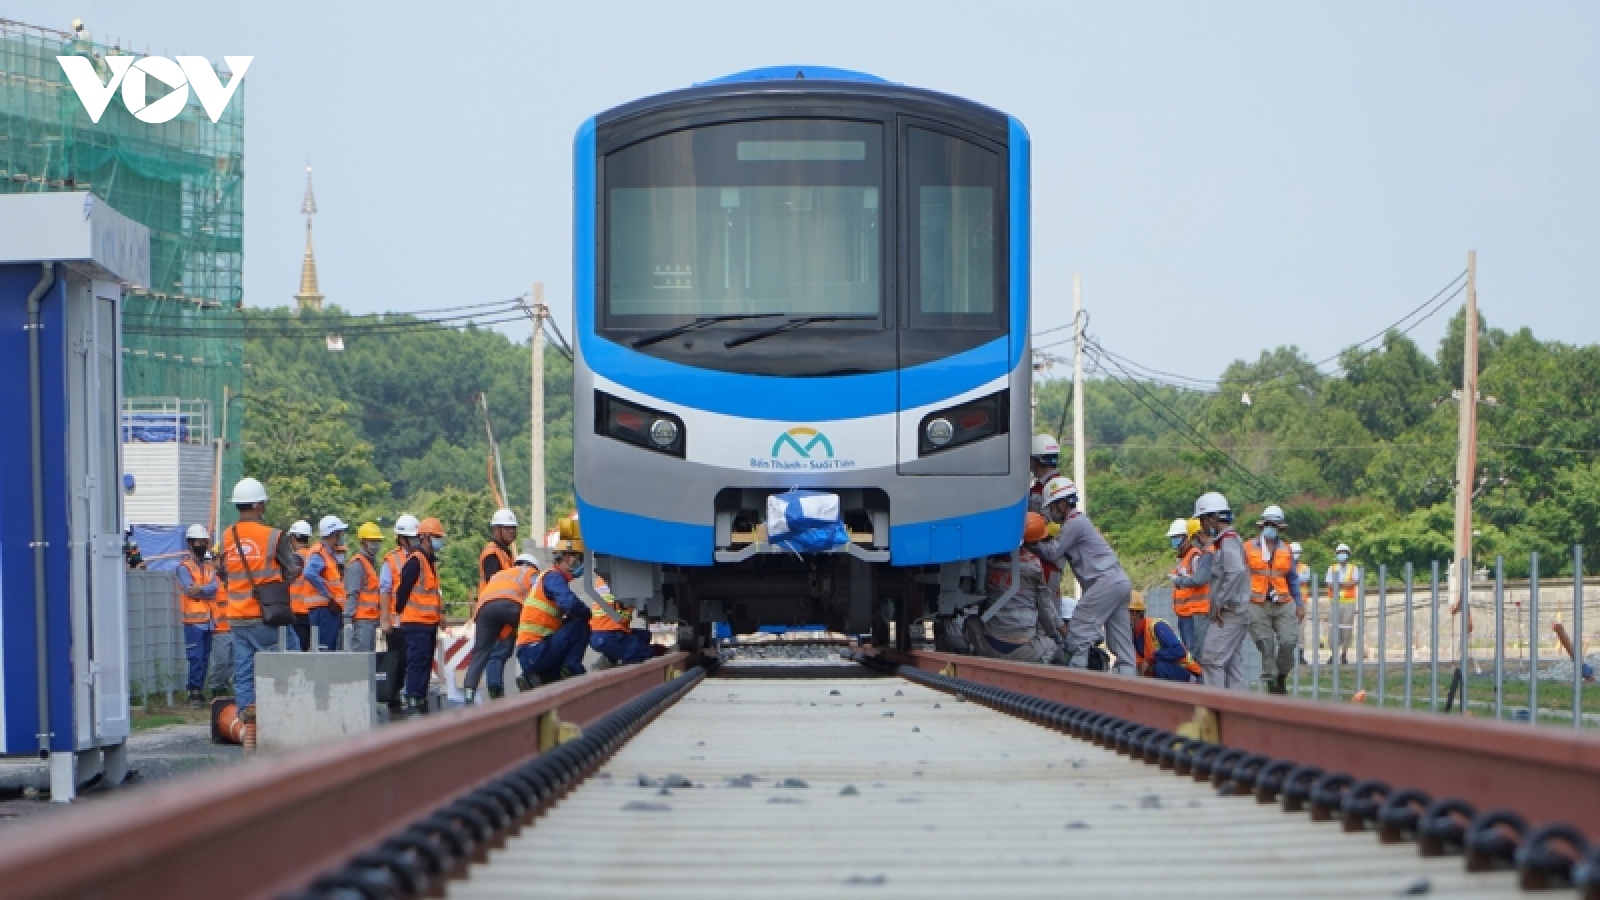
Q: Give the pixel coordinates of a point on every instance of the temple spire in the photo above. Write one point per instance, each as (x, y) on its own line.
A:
(309, 297)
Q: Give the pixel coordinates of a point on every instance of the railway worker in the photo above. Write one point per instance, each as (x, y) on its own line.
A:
(362, 590)
(1161, 652)
(326, 600)
(1302, 573)
(1189, 601)
(197, 593)
(1044, 463)
(1274, 586)
(553, 628)
(1104, 588)
(220, 679)
(252, 556)
(1222, 655)
(1024, 626)
(420, 606)
(498, 608)
(299, 591)
(616, 632)
(1343, 579)
(496, 554)
(406, 540)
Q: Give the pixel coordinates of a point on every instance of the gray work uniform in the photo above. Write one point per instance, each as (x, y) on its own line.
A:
(1222, 657)
(1025, 621)
(1105, 592)
(1052, 578)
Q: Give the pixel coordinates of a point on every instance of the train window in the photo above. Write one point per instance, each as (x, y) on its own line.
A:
(954, 196)
(764, 218)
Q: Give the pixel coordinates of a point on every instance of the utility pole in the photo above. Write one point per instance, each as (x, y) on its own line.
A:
(536, 512)
(1467, 435)
(1080, 456)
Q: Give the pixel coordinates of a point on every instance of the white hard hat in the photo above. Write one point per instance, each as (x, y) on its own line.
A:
(1294, 548)
(405, 526)
(1178, 528)
(528, 559)
(1209, 503)
(301, 528)
(503, 517)
(197, 533)
(1342, 548)
(249, 491)
(1045, 445)
(331, 525)
(1060, 488)
(1272, 515)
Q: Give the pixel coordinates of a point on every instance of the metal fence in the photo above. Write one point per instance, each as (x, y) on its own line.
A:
(156, 663)
(1521, 656)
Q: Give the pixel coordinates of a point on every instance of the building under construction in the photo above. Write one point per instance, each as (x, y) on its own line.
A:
(184, 180)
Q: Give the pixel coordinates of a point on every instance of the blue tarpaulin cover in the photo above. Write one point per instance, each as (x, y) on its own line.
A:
(805, 521)
(162, 546)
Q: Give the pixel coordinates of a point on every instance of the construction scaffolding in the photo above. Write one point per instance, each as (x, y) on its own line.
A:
(183, 179)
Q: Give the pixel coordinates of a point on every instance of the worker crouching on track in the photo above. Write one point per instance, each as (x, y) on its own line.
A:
(1161, 654)
(197, 588)
(553, 630)
(1020, 620)
(1104, 588)
(420, 606)
(499, 607)
(1274, 585)
(1222, 657)
(619, 634)
(363, 590)
(1191, 597)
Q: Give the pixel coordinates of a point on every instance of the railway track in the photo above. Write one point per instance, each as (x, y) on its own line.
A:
(896, 775)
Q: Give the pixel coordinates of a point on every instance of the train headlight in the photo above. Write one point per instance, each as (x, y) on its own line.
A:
(641, 426)
(958, 426)
(663, 432)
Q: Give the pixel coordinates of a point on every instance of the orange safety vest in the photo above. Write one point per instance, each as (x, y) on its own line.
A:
(540, 618)
(1191, 601)
(331, 576)
(300, 590)
(260, 562)
(1349, 578)
(425, 606)
(1268, 573)
(367, 601)
(514, 583)
(395, 560)
(1146, 651)
(599, 621)
(492, 549)
(197, 608)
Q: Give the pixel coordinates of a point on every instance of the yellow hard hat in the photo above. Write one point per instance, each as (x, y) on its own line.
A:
(1194, 527)
(574, 545)
(1137, 603)
(369, 531)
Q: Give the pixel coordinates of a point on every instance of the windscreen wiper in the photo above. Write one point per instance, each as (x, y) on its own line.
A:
(697, 324)
(791, 325)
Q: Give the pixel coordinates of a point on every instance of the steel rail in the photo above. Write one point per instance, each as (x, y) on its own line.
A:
(1548, 775)
(272, 826)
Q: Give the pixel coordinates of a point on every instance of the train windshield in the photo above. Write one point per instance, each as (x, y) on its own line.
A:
(775, 217)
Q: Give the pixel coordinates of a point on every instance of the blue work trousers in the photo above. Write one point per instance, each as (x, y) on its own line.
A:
(197, 650)
(325, 629)
(420, 641)
(249, 638)
(562, 650)
(622, 647)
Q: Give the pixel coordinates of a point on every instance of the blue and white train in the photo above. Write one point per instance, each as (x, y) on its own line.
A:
(800, 277)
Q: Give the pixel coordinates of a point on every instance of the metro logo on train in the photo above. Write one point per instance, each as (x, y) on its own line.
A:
(128, 73)
(801, 441)
(791, 439)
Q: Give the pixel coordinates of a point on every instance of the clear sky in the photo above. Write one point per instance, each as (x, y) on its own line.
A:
(1227, 177)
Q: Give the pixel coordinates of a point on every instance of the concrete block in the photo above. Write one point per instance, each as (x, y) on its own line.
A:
(306, 699)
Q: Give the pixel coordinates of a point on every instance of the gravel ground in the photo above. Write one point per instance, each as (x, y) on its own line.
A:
(155, 755)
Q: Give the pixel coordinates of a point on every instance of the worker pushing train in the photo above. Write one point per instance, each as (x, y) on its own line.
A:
(1104, 588)
(1020, 621)
(553, 630)
(618, 633)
